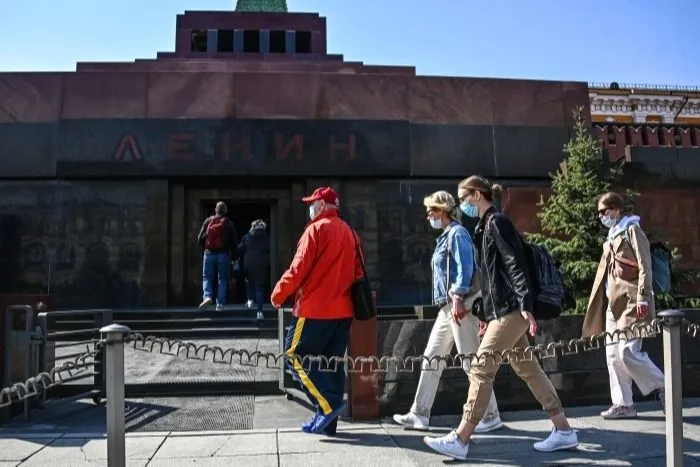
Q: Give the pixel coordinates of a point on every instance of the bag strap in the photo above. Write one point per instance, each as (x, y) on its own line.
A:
(449, 254)
(620, 259)
(358, 252)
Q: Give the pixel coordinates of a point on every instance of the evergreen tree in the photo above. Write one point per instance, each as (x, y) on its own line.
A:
(571, 229)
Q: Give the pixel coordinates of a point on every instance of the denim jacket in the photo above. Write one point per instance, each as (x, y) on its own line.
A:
(461, 263)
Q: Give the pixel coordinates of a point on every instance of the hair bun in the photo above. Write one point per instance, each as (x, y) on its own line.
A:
(496, 188)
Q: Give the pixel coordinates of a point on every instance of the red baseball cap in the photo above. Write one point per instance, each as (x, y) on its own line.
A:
(325, 193)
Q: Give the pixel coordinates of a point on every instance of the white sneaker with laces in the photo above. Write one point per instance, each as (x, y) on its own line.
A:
(260, 316)
(207, 301)
(412, 420)
(558, 441)
(489, 424)
(219, 308)
(449, 445)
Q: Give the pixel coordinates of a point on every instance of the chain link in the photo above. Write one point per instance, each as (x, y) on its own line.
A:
(375, 364)
(231, 356)
(45, 380)
(691, 329)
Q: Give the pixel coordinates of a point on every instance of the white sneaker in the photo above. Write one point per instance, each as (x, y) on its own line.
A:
(261, 316)
(205, 302)
(488, 424)
(557, 441)
(219, 308)
(412, 420)
(449, 445)
(250, 304)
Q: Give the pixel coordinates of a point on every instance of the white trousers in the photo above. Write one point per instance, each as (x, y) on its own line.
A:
(444, 334)
(627, 364)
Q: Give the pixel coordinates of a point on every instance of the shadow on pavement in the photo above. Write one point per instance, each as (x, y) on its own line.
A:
(514, 446)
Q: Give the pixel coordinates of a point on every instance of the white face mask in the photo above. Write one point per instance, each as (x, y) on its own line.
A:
(608, 221)
(435, 223)
(314, 209)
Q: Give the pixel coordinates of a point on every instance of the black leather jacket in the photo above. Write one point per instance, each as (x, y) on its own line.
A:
(505, 282)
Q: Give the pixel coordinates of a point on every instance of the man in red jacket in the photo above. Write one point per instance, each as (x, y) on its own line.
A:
(326, 264)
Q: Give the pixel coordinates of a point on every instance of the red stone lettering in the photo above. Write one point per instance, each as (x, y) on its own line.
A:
(180, 147)
(243, 145)
(350, 146)
(127, 143)
(296, 144)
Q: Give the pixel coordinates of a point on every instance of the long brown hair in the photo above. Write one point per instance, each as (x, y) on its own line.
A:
(490, 191)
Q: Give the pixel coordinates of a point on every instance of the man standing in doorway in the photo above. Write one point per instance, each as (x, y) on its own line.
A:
(218, 238)
(326, 264)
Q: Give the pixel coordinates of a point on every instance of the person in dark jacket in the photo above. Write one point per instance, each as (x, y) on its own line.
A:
(218, 239)
(254, 254)
(507, 308)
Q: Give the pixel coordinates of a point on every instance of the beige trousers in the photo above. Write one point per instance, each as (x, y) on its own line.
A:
(443, 336)
(506, 333)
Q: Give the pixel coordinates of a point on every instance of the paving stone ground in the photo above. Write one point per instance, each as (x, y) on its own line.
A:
(638, 442)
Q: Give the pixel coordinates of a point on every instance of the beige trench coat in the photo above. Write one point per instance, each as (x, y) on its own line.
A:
(624, 295)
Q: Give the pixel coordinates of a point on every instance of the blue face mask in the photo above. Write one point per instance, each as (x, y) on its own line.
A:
(469, 210)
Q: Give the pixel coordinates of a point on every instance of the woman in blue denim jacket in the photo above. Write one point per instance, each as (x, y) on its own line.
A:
(453, 268)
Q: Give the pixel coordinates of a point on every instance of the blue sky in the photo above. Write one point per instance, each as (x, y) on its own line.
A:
(639, 41)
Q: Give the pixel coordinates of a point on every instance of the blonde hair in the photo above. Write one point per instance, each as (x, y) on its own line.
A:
(445, 202)
(490, 191)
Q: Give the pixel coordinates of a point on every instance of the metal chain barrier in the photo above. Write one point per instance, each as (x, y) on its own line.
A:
(40, 383)
(231, 356)
(376, 364)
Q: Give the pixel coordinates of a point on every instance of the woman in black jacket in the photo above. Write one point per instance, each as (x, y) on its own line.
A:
(254, 254)
(507, 311)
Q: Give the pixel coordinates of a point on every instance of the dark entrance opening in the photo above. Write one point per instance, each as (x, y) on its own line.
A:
(242, 214)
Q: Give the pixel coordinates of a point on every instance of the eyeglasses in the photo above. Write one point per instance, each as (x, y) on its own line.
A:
(602, 212)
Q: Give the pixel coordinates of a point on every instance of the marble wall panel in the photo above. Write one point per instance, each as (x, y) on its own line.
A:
(191, 95)
(370, 97)
(528, 103)
(451, 100)
(30, 97)
(576, 95)
(104, 95)
(276, 95)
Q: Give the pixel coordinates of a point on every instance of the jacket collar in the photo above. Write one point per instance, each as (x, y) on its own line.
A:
(487, 214)
(449, 227)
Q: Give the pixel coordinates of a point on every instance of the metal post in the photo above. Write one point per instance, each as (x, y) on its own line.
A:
(113, 341)
(672, 320)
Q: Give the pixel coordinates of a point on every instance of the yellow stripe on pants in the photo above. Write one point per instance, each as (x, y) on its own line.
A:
(296, 363)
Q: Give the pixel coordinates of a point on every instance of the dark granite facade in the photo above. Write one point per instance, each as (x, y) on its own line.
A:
(85, 243)
(275, 147)
(579, 379)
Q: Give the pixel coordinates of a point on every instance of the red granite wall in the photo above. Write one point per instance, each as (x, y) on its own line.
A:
(672, 213)
(35, 97)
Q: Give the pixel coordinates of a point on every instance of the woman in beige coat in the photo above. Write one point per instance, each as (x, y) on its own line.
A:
(621, 296)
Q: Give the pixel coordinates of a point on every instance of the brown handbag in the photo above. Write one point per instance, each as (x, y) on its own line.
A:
(625, 269)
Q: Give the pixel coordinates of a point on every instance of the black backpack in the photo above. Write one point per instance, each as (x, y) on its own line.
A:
(551, 295)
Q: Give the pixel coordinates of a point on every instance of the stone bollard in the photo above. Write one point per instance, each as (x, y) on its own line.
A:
(113, 342)
(671, 321)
